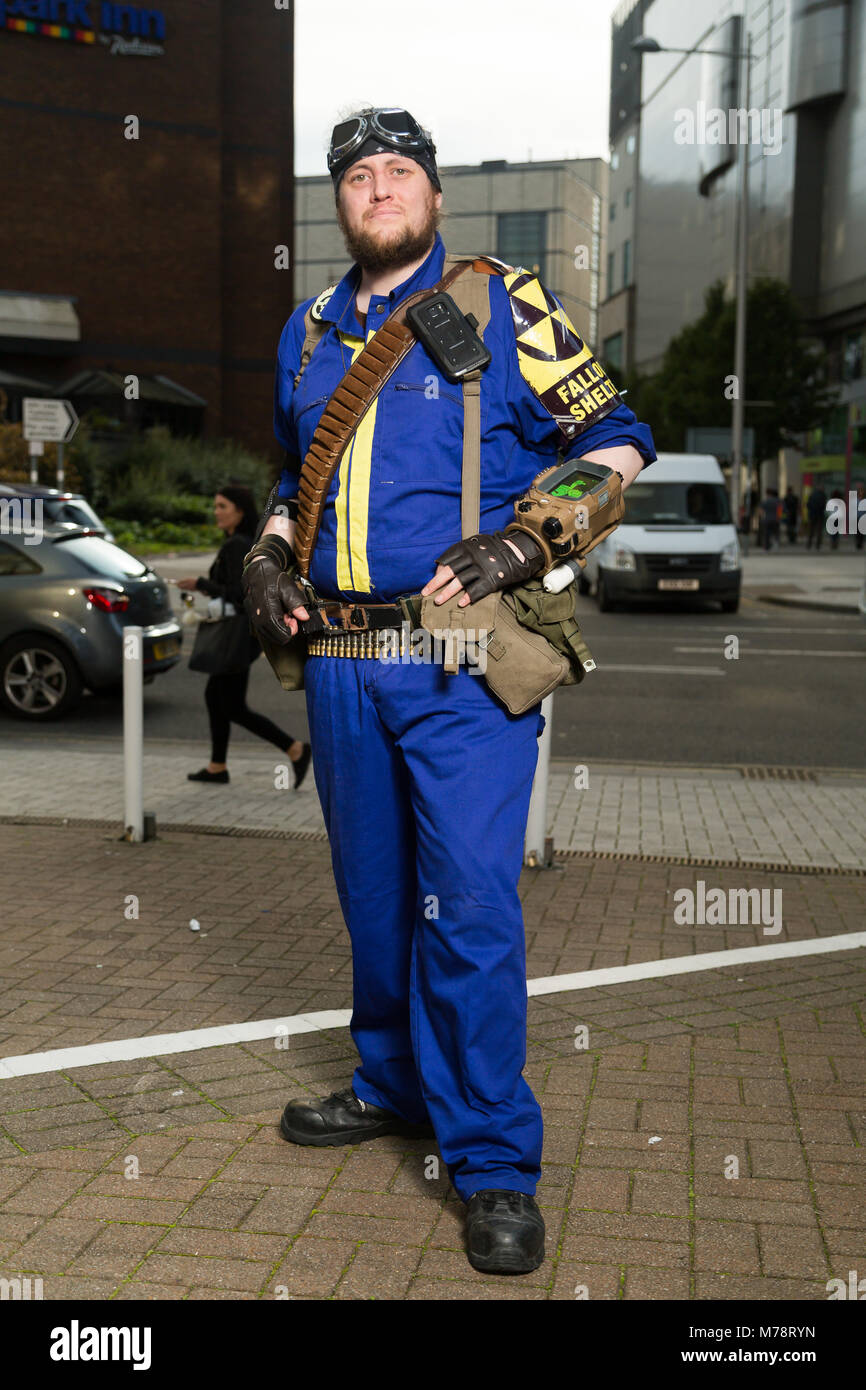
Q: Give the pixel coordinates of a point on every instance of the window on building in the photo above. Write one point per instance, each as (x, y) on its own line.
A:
(611, 275)
(628, 197)
(629, 144)
(612, 214)
(522, 238)
(612, 351)
(626, 263)
(614, 159)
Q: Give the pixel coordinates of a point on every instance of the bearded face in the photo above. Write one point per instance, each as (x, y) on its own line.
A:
(388, 212)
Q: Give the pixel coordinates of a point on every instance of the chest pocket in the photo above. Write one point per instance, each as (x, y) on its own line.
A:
(419, 433)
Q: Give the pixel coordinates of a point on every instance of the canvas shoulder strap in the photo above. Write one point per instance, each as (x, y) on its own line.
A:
(471, 294)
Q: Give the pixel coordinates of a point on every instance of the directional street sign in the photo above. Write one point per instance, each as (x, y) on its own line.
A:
(48, 419)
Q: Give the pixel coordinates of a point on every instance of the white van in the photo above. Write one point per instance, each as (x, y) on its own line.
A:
(677, 539)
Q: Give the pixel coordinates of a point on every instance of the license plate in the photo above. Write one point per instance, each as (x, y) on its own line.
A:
(679, 584)
(171, 647)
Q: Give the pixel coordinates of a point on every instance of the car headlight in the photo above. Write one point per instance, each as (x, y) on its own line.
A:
(623, 558)
(730, 557)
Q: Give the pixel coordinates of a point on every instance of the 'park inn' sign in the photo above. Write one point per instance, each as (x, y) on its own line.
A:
(127, 29)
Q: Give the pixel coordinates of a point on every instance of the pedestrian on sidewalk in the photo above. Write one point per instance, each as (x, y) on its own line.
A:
(226, 695)
(770, 517)
(816, 508)
(423, 774)
(791, 509)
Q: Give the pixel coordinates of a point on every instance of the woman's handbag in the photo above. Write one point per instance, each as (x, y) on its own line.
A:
(223, 646)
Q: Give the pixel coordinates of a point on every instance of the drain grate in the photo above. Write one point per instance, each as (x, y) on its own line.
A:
(696, 861)
(778, 774)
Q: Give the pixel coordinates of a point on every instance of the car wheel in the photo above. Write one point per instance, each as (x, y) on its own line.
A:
(582, 583)
(731, 605)
(39, 679)
(605, 603)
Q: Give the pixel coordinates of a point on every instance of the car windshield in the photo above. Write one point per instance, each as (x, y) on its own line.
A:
(677, 504)
(98, 556)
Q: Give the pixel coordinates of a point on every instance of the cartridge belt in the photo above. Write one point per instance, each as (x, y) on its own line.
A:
(372, 643)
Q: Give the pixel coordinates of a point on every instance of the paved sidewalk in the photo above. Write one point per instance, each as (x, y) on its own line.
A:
(703, 813)
(799, 578)
(165, 1177)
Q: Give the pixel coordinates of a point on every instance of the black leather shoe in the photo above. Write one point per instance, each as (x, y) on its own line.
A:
(504, 1232)
(205, 776)
(301, 764)
(344, 1119)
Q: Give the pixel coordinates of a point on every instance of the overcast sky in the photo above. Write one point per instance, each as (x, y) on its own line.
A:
(492, 80)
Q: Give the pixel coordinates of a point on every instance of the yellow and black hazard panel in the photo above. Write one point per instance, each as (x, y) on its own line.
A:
(554, 361)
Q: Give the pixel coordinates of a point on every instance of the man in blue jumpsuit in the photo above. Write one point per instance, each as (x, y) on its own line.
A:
(424, 776)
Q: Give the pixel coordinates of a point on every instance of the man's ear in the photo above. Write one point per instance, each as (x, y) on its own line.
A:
(437, 201)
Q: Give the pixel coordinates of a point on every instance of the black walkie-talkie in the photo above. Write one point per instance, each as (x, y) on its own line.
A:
(448, 335)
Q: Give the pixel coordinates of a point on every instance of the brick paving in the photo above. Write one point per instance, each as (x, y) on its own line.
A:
(707, 1142)
(713, 813)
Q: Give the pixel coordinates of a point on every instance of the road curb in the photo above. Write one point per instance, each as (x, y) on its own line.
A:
(808, 603)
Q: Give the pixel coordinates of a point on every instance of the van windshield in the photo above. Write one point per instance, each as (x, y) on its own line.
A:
(676, 504)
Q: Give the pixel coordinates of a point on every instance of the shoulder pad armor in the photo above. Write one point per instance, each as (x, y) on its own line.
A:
(316, 309)
(501, 266)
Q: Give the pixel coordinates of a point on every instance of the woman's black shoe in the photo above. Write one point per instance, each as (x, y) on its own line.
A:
(205, 776)
(301, 764)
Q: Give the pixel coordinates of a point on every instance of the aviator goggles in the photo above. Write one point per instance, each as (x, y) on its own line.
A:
(391, 126)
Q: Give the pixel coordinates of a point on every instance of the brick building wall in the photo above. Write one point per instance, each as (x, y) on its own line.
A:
(167, 242)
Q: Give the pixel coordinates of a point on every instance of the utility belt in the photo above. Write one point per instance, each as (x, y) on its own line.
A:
(363, 630)
(525, 641)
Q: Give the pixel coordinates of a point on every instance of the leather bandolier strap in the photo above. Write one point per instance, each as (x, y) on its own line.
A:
(346, 409)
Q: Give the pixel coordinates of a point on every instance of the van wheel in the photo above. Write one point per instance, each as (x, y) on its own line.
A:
(731, 605)
(605, 603)
(39, 679)
(582, 583)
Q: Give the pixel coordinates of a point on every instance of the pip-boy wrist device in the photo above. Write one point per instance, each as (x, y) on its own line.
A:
(448, 335)
(570, 508)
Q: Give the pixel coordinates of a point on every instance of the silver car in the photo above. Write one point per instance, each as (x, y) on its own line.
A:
(64, 602)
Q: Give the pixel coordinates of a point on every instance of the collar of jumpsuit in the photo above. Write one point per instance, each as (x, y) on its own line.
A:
(394, 502)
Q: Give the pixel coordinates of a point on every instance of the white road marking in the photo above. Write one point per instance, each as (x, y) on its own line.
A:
(666, 670)
(164, 1044)
(779, 651)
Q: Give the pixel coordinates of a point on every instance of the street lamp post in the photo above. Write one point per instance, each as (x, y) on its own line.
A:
(645, 44)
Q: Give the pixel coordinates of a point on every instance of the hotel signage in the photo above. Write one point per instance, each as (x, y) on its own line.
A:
(127, 30)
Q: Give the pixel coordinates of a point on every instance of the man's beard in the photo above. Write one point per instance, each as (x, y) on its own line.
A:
(409, 246)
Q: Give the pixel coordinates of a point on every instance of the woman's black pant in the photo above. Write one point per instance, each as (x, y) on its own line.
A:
(226, 700)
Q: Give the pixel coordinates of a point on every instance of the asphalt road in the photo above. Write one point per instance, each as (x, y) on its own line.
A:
(664, 691)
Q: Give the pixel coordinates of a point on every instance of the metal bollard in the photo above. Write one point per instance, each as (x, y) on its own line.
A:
(538, 845)
(133, 734)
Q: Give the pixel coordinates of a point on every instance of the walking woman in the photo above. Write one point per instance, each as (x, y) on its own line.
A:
(226, 695)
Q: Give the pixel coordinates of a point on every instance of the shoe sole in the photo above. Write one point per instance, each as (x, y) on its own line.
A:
(504, 1264)
(355, 1136)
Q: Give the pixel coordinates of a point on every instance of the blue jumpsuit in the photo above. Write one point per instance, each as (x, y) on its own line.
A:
(424, 777)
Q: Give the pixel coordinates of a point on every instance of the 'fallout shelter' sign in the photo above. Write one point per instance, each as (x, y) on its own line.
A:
(127, 29)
